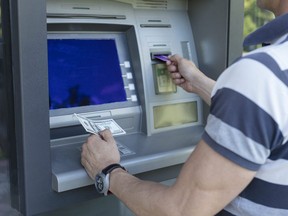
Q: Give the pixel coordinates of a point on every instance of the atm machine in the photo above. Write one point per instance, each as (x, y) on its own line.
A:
(102, 65)
(98, 58)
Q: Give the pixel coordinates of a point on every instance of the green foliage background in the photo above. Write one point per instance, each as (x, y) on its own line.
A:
(254, 17)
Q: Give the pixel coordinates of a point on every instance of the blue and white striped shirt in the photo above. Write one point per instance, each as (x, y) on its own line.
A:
(248, 124)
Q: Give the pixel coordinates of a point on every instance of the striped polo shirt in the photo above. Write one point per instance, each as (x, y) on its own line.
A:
(248, 123)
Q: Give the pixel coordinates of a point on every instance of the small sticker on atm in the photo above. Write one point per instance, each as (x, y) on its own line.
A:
(161, 57)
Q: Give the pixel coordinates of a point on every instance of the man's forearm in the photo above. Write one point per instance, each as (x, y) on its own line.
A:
(206, 177)
(205, 88)
(142, 197)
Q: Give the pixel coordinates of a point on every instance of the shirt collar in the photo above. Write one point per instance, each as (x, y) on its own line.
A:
(269, 32)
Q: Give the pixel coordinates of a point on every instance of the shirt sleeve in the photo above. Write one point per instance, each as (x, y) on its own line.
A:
(241, 125)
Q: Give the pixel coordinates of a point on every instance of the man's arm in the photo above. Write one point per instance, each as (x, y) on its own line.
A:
(206, 184)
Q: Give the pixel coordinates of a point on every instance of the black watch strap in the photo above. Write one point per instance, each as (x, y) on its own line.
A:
(111, 167)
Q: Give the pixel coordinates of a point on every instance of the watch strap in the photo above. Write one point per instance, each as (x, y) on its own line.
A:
(111, 167)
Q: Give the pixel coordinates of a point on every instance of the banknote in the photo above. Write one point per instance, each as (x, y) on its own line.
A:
(95, 126)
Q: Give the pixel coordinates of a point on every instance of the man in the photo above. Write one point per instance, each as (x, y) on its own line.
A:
(240, 166)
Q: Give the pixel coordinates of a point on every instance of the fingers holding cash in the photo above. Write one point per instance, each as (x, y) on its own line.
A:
(101, 150)
(98, 152)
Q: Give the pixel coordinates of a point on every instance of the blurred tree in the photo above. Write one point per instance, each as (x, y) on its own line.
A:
(254, 18)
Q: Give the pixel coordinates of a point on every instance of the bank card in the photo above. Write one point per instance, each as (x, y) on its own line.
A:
(95, 126)
(163, 58)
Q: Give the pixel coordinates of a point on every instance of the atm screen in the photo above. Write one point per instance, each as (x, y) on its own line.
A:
(84, 72)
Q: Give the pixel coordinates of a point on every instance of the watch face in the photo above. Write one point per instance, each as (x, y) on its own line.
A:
(99, 183)
(102, 183)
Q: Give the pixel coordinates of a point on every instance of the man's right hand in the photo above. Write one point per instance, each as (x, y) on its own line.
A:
(185, 74)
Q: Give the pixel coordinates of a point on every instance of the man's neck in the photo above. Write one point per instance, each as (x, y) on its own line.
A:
(282, 9)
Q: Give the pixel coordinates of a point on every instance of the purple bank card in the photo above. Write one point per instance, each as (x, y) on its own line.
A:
(161, 57)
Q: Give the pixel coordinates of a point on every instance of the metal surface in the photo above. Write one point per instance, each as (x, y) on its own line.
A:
(152, 153)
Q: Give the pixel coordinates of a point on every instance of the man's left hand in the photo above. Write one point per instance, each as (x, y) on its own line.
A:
(98, 152)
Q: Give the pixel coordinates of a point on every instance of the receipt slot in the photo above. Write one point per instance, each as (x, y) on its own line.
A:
(95, 58)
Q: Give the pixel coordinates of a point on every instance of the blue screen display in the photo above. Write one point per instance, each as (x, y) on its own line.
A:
(84, 72)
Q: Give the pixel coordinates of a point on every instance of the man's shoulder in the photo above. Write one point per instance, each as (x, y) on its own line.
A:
(276, 52)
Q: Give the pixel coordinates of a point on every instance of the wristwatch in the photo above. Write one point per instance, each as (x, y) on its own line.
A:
(102, 180)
